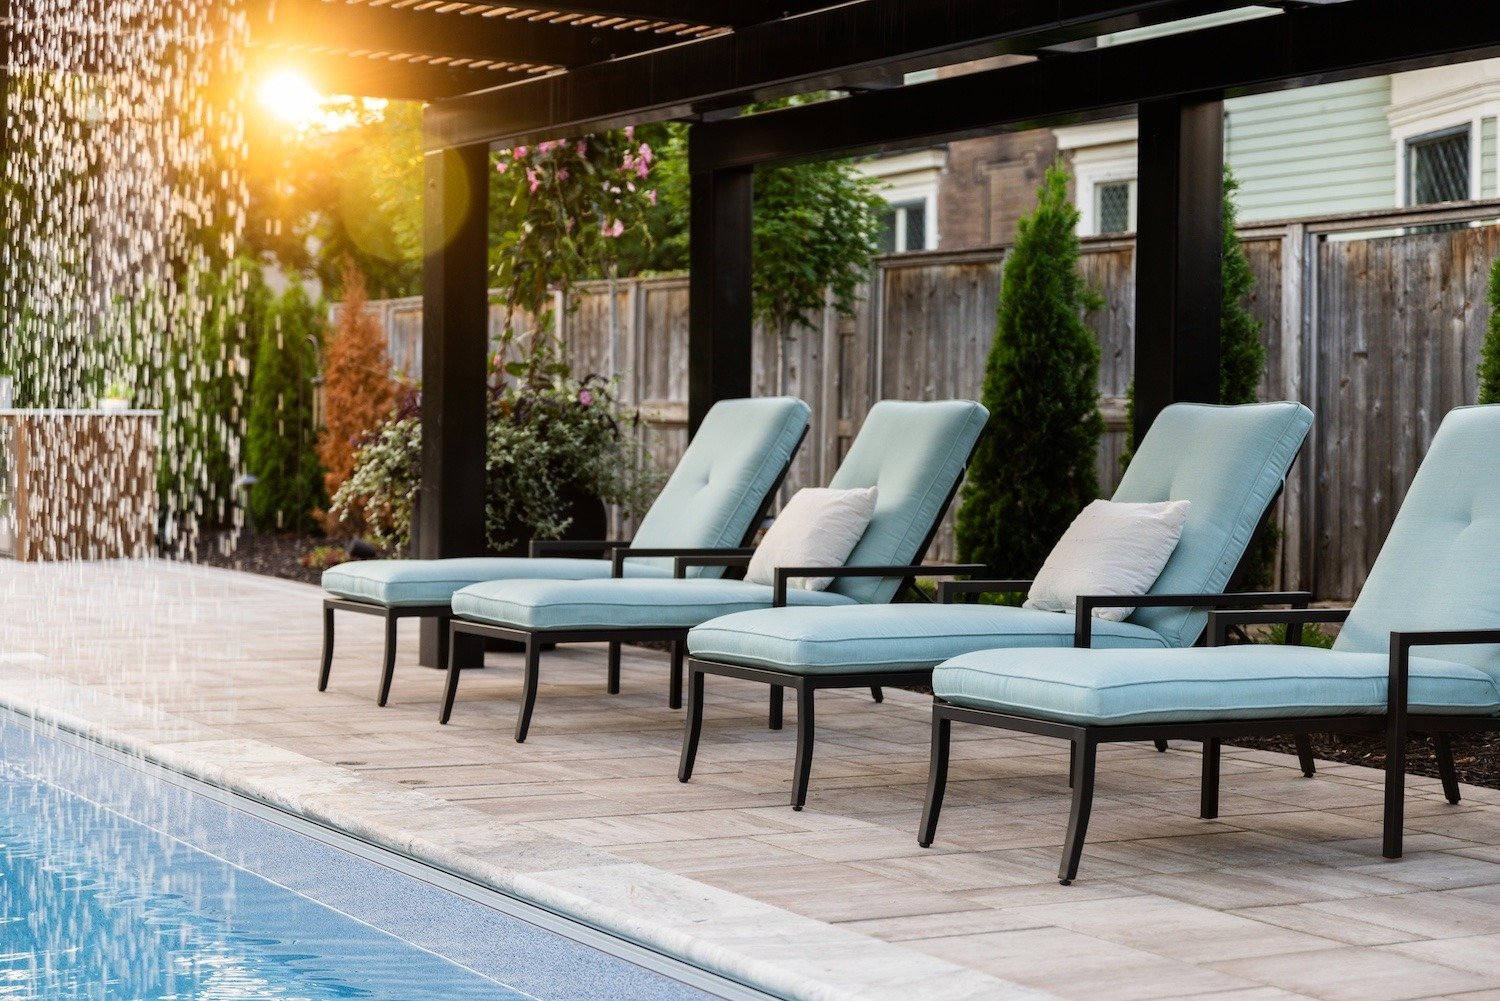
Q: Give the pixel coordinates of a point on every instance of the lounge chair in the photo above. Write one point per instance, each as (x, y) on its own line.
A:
(1434, 584)
(1230, 462)
(915, 453)
(714, 500)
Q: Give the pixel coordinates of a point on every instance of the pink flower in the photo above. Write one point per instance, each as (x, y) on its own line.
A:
(630, 186)
(651, 196)
(646, 153)
(502, 166)
(520, 152)
(630, 132)
(562, 173)
(583, 148)
(536, 182)
(606, 229)
(548, 146)
(585, 397)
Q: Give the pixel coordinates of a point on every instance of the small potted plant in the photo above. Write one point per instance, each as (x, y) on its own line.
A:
(116, 397)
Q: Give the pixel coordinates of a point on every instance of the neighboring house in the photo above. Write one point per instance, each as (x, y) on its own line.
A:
(1416, 138)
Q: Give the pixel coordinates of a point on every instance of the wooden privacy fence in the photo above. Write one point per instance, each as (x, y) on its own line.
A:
(1375, 321)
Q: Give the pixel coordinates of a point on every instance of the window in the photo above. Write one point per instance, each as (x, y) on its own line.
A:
(904, 227)
(1437, 167)
(1112, 208)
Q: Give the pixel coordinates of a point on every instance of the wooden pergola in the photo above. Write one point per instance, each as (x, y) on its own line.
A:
(496, 75)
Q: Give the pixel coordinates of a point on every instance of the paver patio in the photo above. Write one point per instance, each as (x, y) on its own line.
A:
(1284, 896)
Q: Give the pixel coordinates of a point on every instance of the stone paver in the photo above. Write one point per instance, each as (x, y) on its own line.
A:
(1283, 896)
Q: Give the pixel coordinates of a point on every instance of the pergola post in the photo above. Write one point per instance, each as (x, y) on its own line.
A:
(719, 309)
(1179, 243)
(455, 354)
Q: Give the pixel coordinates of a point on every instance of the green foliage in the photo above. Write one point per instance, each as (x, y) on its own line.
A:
(1034, 468)
(1242, 356)
(281, 439)
(1312, 635)
(815, 228)
(544, 442)
(1489, 363)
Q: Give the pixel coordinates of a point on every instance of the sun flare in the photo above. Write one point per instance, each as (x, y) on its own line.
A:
(289, 96)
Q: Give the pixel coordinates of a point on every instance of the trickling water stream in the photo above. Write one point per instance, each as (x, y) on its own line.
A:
(121, 208)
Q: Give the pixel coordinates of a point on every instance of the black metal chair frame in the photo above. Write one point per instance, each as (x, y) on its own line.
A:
(1395, 723)
(683, 559)
(538, 547)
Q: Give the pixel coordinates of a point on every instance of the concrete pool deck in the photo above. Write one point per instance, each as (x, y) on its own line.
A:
(212, 672)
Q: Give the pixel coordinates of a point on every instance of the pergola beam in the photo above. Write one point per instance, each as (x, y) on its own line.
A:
(451, 35)
(818, 50)
(396, 80)
(723, 13)
(1294, 49)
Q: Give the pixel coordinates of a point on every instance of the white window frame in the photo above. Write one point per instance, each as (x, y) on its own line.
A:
(1424, 102)
(1432, 128)
(1103, 153)
(910, 177)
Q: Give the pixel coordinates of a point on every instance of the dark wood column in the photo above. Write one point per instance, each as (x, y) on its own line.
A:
(719, 321)
(1179, 242)
(455, 352)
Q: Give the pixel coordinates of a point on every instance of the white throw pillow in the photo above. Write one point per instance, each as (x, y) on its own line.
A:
(818, 527)
(1109, 549)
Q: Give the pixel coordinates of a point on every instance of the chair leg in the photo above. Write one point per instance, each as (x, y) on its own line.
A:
(674, 694)
(1305, 755)
(1208, 807)
(803, 769)
(1161, 747)
(528, 689)
(1072, 761)
(388, 668)
(1395, 784)
(774, 718)
(693, 729)
(445, 641)
(1078, 817)
(937, 779)
(327, 665)
(877, 693)
(450, 690)
(1445, 767)
(612, 684)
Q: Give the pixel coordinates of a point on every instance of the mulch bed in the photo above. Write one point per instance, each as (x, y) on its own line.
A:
(1477, 756)
(268, 555)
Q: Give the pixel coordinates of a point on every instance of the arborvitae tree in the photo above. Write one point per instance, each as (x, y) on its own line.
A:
(358, 392)
(281, 444)
(1034, 468)
(1489, 356)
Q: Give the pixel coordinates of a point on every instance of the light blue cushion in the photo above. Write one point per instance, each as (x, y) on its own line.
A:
(408, 583)
(914, 453)
(721, 482)
(1116, 687)
(615, 604)
(1229, 462)
(1440, 565)
(870, 638)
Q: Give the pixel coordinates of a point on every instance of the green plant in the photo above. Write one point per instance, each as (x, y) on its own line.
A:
(116, 389)
(281, 437)
(1489, 357)
(1312, 635)
(1034, 468)
(323, 557)
(543, 442)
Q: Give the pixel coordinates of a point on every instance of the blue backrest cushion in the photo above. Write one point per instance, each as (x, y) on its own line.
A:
(914, 453)
(1229, 462)
(740, 451)
(1440, 565)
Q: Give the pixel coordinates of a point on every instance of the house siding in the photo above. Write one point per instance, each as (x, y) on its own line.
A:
(1314, 151)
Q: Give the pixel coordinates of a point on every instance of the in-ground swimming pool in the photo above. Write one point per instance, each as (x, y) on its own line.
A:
(205, 900)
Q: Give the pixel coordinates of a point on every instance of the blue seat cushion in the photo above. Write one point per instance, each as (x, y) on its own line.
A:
(620, 603)
(1198, 684)
(408, 583)
(872, 638)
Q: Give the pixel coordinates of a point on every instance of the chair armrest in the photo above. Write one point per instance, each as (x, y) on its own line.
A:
(949, 589)
(1084, 609)
(620, 555)
(1401, 647)
(541, 547)
(784, 574)
(680, 564)
(1294, 619)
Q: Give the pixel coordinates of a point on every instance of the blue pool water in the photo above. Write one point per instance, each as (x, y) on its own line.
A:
(206, 901)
